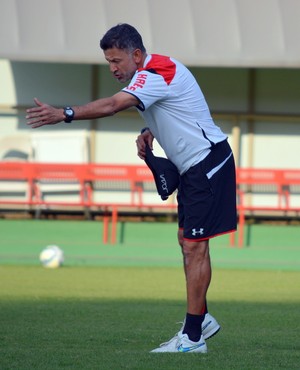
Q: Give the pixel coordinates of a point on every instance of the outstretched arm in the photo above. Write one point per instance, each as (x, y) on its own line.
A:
(45, 114)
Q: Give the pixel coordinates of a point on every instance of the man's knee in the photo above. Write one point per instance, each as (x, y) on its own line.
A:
(198, 249)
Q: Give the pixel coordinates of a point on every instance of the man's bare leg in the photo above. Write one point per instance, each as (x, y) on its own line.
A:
(197, 268)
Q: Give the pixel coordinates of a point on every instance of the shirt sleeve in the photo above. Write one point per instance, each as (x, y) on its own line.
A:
(148, 88)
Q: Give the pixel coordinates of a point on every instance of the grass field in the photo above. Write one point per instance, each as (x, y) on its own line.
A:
(110, 318)
(106, 309)
(145, 244)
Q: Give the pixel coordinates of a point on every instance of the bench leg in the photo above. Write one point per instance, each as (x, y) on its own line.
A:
(114, 223)
(105, 228)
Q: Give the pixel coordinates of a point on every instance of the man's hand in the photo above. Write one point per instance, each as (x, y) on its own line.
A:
(43, 114)
(141, 141)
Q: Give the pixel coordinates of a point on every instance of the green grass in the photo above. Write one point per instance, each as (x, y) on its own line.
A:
(111, 317)
(110, 305)
(145, 244)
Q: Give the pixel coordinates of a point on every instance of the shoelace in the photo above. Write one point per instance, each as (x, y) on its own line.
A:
(171, 340)
(174, 337)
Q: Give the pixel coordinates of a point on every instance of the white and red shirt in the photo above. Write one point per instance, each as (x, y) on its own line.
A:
(175, 110)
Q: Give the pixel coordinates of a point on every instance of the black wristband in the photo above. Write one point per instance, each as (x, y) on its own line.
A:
(144, 129)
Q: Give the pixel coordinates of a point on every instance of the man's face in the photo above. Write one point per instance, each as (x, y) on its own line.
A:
(122, 63)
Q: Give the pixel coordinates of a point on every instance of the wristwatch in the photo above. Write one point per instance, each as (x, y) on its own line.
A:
(69, 114)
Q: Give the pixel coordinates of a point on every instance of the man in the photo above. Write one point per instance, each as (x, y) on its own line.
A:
(174, 108)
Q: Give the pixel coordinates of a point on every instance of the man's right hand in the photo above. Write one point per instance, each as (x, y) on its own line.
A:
(145, 138)
(43, 114)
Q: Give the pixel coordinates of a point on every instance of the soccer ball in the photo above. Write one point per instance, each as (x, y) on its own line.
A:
(52, 257)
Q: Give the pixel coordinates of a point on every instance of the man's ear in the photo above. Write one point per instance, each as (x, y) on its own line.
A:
(137, 56)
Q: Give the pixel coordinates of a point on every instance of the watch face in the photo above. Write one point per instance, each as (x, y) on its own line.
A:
(69, 112)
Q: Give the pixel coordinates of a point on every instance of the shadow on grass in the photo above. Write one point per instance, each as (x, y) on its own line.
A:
(118, 334)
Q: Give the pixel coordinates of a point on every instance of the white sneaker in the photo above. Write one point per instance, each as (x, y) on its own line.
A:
(169, 346)
(210, 327)
(182, 343)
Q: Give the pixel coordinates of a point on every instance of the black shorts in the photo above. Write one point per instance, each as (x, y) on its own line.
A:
(207, 196)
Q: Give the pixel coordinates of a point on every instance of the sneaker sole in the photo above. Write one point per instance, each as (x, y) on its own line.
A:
(212, 333)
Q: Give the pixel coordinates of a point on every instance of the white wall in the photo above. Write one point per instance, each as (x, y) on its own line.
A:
(276, 143)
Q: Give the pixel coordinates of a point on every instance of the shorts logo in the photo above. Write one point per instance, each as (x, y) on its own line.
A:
(195, 232)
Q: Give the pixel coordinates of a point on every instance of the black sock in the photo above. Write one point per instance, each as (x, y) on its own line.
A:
(192, 326)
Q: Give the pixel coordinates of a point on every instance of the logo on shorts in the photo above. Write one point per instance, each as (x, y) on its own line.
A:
(195, 231)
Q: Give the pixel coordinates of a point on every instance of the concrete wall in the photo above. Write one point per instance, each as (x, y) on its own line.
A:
(232, 93)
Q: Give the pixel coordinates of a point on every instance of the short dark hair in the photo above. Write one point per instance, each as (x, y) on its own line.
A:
(122, 36)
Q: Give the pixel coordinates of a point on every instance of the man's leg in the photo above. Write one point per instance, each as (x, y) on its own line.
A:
(197, 268)
(198, 321)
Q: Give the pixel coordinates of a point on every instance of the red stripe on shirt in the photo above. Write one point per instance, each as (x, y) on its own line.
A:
(163, 66)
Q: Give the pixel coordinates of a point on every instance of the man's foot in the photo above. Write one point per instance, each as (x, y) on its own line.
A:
(210, 327)
(182, 343)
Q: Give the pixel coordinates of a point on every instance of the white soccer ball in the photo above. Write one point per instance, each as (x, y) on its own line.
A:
(52, 257)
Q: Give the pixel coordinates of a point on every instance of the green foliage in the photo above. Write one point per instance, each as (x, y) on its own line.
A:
(110, 318)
